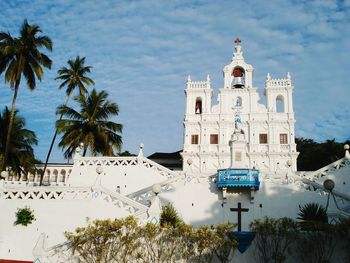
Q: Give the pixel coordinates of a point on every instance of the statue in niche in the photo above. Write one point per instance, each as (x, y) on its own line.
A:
(238, 121)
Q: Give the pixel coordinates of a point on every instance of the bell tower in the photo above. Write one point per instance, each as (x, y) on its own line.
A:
(278, 93)
(198, 96)
(238, 74)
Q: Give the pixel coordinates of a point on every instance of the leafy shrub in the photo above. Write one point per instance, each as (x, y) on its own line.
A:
(343, 232)
(274, 237)
(316, 246)
(124, 241)
(169, 216)
(24, 216)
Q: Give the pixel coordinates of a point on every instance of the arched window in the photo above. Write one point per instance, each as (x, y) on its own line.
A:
(279, 103)
(198, 107)
(238, 102)
(54, 176)
(62, 176)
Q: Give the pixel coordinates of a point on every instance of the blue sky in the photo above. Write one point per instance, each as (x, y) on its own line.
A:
(142, 52)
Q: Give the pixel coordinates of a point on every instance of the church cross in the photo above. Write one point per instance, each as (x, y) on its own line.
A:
(239, 209)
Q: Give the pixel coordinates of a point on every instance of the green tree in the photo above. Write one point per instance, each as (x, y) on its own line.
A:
(20, 157)
(73, 77)
(126, 153)
(90, 125)
(21, 57)
(314, 155)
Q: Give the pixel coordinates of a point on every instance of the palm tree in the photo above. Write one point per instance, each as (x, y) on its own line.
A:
(312, 216)
(90, 125)
(20, 154)
(22, 57)
(73, 77)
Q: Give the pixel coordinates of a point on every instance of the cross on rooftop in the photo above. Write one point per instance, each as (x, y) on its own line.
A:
(239, 209)
(238, 41)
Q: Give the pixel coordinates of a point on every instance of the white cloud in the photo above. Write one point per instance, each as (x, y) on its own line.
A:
(142, 52)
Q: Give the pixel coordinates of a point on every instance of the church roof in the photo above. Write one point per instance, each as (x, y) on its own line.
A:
(160, 155)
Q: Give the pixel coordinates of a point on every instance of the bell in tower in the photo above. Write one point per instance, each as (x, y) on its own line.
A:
(238, 77)
(238, 73)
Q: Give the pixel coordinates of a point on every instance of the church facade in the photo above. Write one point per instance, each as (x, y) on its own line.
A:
(239, 165)
(267, 138)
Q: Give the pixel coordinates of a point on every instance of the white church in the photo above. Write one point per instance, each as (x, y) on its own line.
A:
(236, 154)
(256, 135)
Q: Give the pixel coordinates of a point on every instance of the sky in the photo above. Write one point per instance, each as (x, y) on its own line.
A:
(142, 52)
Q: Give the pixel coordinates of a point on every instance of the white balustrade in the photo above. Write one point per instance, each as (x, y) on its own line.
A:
(284, 147)
(198, 84)
(285, 82)
(55, 174)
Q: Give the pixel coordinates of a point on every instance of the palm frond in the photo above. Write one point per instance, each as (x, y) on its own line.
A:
(90, 125)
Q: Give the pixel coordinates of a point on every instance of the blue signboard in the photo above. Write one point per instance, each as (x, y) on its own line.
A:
(238, 178)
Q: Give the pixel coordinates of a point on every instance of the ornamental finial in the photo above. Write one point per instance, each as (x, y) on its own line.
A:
(268, 77)
(237, 54)
(141, 150)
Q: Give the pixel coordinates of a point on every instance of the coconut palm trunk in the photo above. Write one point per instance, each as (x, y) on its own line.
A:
(92, 148)
(8, 136)
(73, 76)
(51, 146)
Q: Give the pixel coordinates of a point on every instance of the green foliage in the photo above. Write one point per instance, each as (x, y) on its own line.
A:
(24, 216)
(169, 216)
(90, 125)
(226, 242)
(161, 243)
(106, 241)
(21, 58)
(74, 76)
(312, 216)
(273, 238)
(20, 157)
(123, 240)
(314, 155)
(205, 241)
(126, 153)
(343, 232)
(315, 246)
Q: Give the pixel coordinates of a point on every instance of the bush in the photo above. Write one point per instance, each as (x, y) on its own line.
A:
(24, 216)
(169, 216)
(124, 241)
(316, 246)
(343, 232)
(274, 237)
